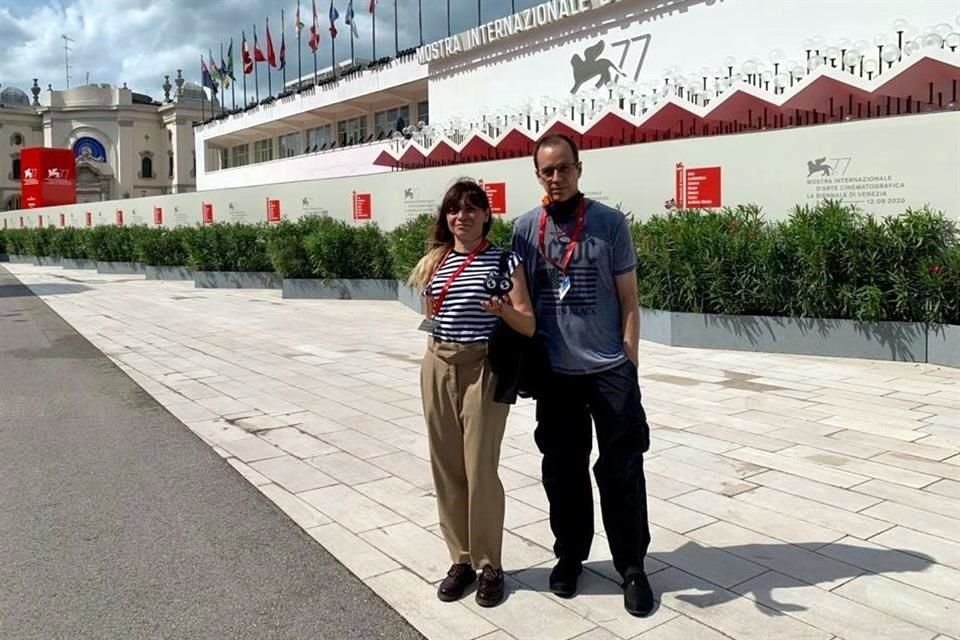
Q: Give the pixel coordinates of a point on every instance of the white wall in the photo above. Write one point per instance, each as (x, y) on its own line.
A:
(911, 154)
(700, 33)
(353, 161)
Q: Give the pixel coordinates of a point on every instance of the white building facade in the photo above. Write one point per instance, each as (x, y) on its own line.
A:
(126, 144)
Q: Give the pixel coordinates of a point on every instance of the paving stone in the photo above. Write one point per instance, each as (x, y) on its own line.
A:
(811, 469)
(292, 474)
(743, 438)
(414, 548)
(677, 470)
(710, 563)
(949, 488)
(415, 504)
(346, 468)
(921, 544)
(892, 444)
(299, 511)
(682, 628)
(908, 603)
(251, 449)
(907, 461)
(920, 499)
(357, 444)
(351, 509)
(407, 467)
(848, 499)
(253, 477)
(919, 519)
(854, 524)
(217, 430)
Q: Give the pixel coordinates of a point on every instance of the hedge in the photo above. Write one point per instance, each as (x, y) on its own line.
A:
(827, 261)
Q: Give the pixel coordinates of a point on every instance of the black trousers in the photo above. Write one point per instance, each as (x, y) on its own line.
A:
(563, 435)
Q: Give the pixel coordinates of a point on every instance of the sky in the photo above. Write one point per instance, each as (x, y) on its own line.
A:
(137, 42)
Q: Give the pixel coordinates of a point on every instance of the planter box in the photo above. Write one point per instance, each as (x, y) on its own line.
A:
(409, 296)
(22, 259)
(121, 268)
(901, 341)
(49, 261)
(317, 289)
(168, 273)
(943, 344)
(236, 280)
(78, 263)
(4, 257)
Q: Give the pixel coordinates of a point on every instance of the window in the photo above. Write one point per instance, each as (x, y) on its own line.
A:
(240, 155)
(16, 140)
(146, 167)
(224, 158)
(263, 150)
(386, 122)
(290, 145)
(319, 137)
(16, 168)
(352, 131)
(170, 164)
(423, 112)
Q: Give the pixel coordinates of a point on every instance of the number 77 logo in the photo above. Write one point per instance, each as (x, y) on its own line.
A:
(640, 52)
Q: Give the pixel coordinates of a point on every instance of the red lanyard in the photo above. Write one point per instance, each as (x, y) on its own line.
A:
(574, 237)
(438, 301)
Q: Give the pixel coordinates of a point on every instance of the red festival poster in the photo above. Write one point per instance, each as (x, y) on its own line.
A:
(207, 210)
(362, 206)
(497, 194)
(48, 177)
(157, 216)
(40, 222)
(698, 187)
(273, 210)
(63, 220)
(119, 217)
(89, 219)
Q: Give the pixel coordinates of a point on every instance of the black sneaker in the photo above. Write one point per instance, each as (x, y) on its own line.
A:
(459, 577)
(490, 591)
(637, 595)
(563, 578)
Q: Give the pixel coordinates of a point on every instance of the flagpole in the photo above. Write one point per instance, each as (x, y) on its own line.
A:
(299, 57)
(233, 81)
(420, 18)
(203, 92)
(479, 21)
(449, 32)
(269, 75)
(396, 31)
(353, 60)
(333, 55)
(283, 43)
(256, 75)
(243, 52)
(373, 38)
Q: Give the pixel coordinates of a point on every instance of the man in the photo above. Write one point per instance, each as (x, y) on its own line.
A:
(581, 266)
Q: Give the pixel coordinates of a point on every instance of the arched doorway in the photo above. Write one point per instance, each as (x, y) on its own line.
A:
(13, 203)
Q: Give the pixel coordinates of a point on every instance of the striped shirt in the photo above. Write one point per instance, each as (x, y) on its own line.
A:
(461, 318)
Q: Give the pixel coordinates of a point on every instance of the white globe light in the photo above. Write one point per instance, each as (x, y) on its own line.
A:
(749, 67)
(861, 46)
(777, 56)
(932, 40)
(832, 52)
(943, 29)
(901, 25)
(870, 65)
(851, 58)
(952, 40)
(890, 53)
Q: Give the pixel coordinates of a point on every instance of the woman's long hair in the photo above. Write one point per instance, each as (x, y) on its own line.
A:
(440, 238)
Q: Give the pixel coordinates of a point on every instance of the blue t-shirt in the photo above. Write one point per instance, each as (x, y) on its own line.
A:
(583, 332)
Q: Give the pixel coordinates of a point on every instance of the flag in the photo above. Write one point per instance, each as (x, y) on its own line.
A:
(222, 71)
(297, 24)
(334, 14)
(247, 60)
(213, 70)
(271, 54)
(314, 41)
(283, 43)
(373, 5)
(257, 52)
(229, 70)
(350, 19)
(205, 78)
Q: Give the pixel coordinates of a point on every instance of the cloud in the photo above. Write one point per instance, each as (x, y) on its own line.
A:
(137, 42)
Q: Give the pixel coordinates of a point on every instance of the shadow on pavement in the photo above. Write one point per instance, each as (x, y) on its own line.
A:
(43, 289)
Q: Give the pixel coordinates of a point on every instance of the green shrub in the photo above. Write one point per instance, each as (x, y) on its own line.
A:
(501, 233)
(408, 242)
(68, 243)
(38, 241)
(3, 241)
(286, 249)
(227, 247)
(17, 241)
(108, 243)
(340, 250)
(827, 261)
(161, 247)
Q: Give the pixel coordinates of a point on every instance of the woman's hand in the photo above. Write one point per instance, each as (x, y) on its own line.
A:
(496, 305)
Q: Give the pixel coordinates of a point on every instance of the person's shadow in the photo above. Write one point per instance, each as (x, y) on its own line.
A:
(766, 567)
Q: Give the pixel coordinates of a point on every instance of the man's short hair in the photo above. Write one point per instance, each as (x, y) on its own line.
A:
(552, 140)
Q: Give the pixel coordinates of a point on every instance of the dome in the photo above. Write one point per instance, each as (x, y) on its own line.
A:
(192, 90)
(14, 97)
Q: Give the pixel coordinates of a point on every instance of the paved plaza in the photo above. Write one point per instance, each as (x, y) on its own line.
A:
(790, 498)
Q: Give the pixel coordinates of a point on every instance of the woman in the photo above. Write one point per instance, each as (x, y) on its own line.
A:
(465, 424)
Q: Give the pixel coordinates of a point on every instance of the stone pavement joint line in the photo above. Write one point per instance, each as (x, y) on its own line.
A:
(790, 497)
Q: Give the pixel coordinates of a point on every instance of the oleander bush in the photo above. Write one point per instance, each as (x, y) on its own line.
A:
(162, 247)
(286, 249)
(109, 243)
(68, 243)
(337, 250)
(227, 247)
(826, 261)
(3, 240)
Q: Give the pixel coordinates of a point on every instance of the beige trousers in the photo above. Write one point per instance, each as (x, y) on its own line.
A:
(465, 428)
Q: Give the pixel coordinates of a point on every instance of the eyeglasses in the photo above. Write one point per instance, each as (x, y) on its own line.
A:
(547, 172)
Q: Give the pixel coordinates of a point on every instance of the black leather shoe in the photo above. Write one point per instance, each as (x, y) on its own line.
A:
(637, 595)
(563, 578)
(490, 591)
(459, 577)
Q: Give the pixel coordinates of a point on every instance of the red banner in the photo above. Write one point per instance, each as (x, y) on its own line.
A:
(47, 177)
(63, 220)
(273, 210)
(207, 213)
(119, 217)
(698, 188)
(89, 219)
(497, 195)
(158, 216)
(40, 222)
(362, 206)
